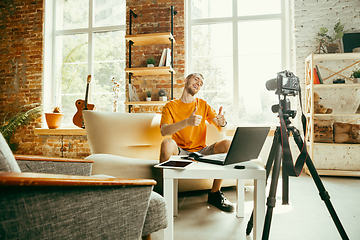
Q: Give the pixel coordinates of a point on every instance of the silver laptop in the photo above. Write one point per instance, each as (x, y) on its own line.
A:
(246, 145)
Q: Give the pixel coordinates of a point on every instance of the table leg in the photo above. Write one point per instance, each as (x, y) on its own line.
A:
(259, 208)
(240, 198)
(169, 198)
(176, 199)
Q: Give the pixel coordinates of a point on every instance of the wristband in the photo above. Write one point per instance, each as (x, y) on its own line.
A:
(224, 124)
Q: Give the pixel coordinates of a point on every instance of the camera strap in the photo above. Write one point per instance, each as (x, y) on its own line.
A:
(288, 164)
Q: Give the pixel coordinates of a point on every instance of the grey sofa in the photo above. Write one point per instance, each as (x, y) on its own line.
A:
(57, 206)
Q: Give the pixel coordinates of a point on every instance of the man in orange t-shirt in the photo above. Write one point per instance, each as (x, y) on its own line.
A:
(184, 119)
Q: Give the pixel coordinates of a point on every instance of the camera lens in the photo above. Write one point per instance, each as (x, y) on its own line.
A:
(271, 85)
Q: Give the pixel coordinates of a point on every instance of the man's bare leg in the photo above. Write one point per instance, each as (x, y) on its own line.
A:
(168, 148)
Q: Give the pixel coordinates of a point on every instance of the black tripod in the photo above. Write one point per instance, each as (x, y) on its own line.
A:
(274, 161)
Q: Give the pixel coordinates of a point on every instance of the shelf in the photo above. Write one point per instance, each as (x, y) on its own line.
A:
(150, 71)
(152, 103)
(336, 56)
(150, 39)
(342, 85)
(336, 144)
(337, 115)
(334, 172)
(60, 131)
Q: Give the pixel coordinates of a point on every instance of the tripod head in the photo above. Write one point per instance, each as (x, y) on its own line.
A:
(285, 105)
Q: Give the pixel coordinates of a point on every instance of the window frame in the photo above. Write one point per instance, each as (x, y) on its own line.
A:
(283, 16)
(49, 50)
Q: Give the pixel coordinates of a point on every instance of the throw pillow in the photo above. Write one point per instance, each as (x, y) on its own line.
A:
(7, 159)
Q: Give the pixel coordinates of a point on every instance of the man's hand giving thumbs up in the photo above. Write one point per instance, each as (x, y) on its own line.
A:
(194, 120)
(220, 118)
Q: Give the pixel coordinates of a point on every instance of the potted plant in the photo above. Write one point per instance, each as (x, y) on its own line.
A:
(23, 117)
(148, 94)
(356, 75)
(327, 43)
(54, 119)
(150, 62)
(162, 95)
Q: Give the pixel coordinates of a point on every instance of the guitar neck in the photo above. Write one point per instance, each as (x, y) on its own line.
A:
(87, 91)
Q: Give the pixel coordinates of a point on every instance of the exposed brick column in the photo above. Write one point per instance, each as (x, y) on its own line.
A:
(21, 61)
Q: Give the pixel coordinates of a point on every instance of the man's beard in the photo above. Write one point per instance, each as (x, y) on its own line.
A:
(190, 90)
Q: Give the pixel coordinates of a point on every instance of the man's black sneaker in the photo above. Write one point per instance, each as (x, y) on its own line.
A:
(218, 200)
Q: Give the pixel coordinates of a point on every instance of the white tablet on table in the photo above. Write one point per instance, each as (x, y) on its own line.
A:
(176, 164)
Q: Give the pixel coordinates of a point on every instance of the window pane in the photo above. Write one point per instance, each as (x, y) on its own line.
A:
(72, 14)
(258, 7)
(211, 9)
(71, 73)
(109, 62)
(259, 61)
(109, 13)
(213, 58)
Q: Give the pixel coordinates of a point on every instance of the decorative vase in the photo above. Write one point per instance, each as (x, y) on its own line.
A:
(150, 65)
(356, 80)
(53, 120)
(163, 98)
(333, 47)
(148, 99)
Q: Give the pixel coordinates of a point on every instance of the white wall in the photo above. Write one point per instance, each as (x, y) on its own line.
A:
(309, 16)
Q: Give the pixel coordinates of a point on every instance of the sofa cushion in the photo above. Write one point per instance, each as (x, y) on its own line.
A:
(7, 159)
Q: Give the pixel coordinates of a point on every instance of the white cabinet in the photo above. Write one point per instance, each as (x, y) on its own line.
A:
(333, 158)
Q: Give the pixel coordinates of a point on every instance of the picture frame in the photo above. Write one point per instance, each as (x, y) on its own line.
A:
(349, 41)
(132, 94)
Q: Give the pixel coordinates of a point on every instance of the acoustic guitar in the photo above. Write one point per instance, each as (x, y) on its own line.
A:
(82, 105)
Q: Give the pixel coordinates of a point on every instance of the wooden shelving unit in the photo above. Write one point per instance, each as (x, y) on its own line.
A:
(151, 39)
(333, 158)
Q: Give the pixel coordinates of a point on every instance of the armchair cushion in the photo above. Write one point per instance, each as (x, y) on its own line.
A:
(7, 160)
(54, 165)
(73, 212)
(156, 217)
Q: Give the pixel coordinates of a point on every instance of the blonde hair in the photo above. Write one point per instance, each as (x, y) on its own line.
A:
(195, 75)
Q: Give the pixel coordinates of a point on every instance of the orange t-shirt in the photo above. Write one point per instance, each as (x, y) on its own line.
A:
(191, 138)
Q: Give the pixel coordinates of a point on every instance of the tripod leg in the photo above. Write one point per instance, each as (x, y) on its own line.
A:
(273, 153)
(285, 187)
(271, 200)
(323, 193)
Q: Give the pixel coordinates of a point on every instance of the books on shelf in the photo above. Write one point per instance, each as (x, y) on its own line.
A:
(162, 59)
(316, 77)
(165, 59)
(168, 57)
(319, 75)
(132, 94)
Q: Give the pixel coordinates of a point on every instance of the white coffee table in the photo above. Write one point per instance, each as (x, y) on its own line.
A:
(212, 171)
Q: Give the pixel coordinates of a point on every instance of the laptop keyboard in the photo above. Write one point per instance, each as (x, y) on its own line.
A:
(219, 157)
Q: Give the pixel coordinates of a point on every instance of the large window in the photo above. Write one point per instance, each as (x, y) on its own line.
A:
(85, 37)
(237, 45)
